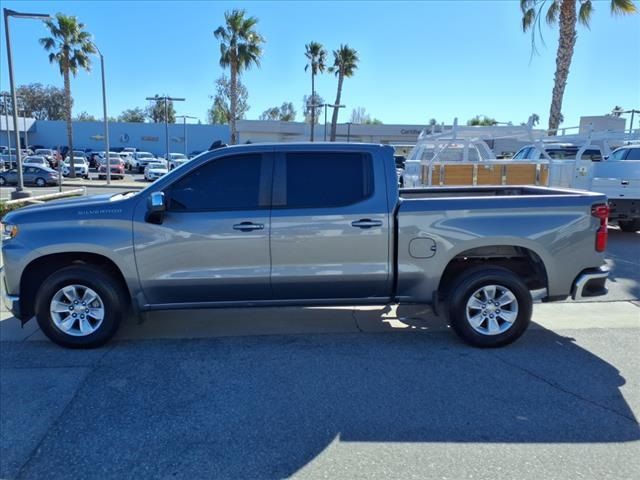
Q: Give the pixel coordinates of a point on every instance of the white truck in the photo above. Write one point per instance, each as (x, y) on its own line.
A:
(617, 175)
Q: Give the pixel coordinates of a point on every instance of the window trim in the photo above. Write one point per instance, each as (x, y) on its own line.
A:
(264, 184)
(279, 196)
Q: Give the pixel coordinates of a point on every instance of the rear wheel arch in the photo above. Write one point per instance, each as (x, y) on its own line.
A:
(521, 261)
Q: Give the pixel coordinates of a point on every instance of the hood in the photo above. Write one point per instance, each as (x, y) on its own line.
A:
(71, 208)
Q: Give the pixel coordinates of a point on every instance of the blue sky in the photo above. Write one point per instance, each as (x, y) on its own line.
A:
(418, 60)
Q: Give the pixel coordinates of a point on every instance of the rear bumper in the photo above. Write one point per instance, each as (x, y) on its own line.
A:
(590, 283)
(624, 209)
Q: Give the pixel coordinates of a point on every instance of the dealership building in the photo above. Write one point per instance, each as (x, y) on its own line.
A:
(188, 138)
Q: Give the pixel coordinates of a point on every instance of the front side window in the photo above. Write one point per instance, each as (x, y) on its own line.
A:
(229, 183)
(327, 179)
(634, 154)
(618, 154)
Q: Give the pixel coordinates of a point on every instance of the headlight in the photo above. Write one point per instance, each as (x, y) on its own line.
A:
(9, 231)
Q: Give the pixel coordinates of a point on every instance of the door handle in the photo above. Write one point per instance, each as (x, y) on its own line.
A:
(366, 223)
(248, 226)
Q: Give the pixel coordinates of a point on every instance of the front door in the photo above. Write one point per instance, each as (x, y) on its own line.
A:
(213, 243)
(329, 232)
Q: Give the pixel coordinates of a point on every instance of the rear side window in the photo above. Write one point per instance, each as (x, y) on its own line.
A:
(522, 154)
(593, 155)
(327, 179)
(229, 183)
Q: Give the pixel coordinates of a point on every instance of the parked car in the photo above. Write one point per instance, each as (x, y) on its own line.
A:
(80, 165)
(139, 160)
(36, 160)
(175, 160)
(48, 154)
(244, 226)
(116, 166)
(155, 170)
(31, 175)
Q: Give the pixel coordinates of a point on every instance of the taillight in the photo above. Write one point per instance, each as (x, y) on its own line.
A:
(601, 212)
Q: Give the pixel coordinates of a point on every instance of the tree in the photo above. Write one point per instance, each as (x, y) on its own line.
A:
(285, 113)
(69, 46)
(133, 115)
(220, 111)
(566, 14)
(40, 102)
(240, 48)
(156, 113)
(85, 117)
(482, 121)
(345, 63)
(360, 115)
(312, 114)
(317, 56)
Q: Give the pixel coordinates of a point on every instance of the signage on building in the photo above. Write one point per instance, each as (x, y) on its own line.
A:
(410, 131)
(124, 138)
(148, 138)
(97, 137)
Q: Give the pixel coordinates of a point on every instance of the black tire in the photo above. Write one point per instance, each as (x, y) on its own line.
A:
(629, 225)
(40, 182)
(2, 181)
(111, 293)
(468, 283)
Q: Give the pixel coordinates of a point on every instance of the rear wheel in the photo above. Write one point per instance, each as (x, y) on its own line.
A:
(629, 225)
(80, 307)
(40, 182)
(3, 181)
(489, 307)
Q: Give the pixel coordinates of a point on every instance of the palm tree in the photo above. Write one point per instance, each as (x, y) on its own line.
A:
(345, 62)
(566, 13)
(240, 48)
(317, 56)
(69, 46)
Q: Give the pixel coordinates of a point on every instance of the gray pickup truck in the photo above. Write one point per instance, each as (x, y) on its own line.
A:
(302, 224)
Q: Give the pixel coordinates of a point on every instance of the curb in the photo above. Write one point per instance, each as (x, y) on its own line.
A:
(99, 183)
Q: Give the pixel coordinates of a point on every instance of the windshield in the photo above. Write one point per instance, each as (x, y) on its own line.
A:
(144, 155)
(157, 165)
(178, 156)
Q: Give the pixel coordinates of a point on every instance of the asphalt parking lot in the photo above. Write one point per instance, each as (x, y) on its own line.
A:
(332, 393)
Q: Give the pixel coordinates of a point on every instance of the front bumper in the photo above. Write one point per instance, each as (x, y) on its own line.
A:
(590, 283)
(10, 302)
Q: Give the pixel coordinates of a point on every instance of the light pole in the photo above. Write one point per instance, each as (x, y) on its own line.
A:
(348, 131)
(166, 99)
(104, 114)
(5, 103)
(24, 127)
(184, 130)
(325, 105)
(19, 192)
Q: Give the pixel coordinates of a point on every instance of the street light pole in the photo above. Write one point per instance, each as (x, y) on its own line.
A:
(184, 130)
(105, 117)
(166, 99)
(5, 101)
(19, 192)
(348, 131)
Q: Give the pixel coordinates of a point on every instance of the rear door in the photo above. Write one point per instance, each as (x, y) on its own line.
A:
(213, 243)
(329, 226)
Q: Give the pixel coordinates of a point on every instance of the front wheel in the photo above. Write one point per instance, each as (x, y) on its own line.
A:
(40, 182)
(80, 307)
(489, 307)
(629, 225)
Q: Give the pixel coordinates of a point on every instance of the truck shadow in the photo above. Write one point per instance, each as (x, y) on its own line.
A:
(265, 407)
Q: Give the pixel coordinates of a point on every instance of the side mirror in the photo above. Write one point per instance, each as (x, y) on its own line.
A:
(156, 206)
